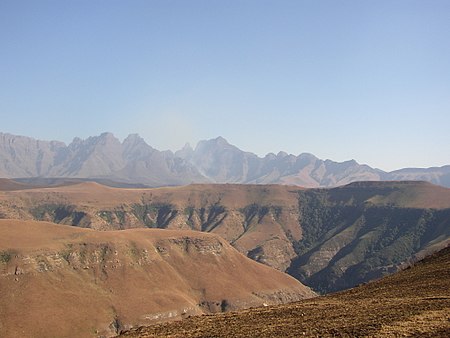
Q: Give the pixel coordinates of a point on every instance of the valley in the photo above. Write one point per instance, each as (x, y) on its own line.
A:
(221, 169)
(329, 239)
(413, 303)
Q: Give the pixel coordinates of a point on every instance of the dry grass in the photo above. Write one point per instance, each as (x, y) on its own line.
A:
(414, 302)
(97, 195)
(62, 281)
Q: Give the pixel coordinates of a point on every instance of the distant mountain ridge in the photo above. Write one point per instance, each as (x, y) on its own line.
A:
(133, 161)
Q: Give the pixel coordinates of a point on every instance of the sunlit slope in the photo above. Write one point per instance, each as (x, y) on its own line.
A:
(330, 239)
(413, 303)
(261, 221)
(57, 280)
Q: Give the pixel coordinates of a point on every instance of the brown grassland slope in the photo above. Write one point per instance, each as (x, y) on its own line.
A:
(253, 218)
(9, 185)
(329, 239)
(63, 281)
(414, 302)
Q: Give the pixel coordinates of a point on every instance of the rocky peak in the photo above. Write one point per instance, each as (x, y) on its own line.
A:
(186, 152)
(133, 139)
(220, 141)
(108, 139)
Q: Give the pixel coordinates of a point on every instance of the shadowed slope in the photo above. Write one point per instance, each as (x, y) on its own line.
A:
(9, 185)
(365, 230)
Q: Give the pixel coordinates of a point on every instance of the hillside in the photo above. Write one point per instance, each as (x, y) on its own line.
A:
(9, 185)
(106, 159)
(414, 303)
(255, 219)
(362, 231)
(60, 281)
(329, 239)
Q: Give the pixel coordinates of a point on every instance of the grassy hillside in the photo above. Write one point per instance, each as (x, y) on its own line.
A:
(62, 281)
(261, 221)
(414, 303)
(330, 239)
(366, 230)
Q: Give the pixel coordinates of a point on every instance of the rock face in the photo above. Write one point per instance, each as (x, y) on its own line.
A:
(330, 239)
(89, 283)
(99, 157)
(133, 161)
(22, 156)
(222, 162)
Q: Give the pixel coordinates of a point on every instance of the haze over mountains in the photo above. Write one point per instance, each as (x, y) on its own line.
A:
(133, 161)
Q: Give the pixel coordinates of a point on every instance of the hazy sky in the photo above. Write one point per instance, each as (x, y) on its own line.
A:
(365, 80)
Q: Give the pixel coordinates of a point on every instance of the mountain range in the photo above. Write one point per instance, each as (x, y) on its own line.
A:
(133, 162)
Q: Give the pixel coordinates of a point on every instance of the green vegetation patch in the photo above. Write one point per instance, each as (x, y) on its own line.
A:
(189, 213)
(154, 215)
(107, 216)
(212, 216)
(58, 213)
(6, 256)
(382, 237)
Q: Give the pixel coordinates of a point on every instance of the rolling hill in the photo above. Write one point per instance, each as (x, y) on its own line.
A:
(329, 239)
(63, 281)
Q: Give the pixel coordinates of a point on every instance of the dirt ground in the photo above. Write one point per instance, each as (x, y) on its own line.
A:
(412, 303)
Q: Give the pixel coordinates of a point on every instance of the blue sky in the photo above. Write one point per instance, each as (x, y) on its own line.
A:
(364, 80)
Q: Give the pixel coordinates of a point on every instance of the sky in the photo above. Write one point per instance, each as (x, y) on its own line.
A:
(365, 79)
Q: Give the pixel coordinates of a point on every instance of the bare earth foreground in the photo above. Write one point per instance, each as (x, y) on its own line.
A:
(414, 302)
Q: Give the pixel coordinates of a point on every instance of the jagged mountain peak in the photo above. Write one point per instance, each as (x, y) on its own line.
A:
(221, 141)
(107, 135)
(185, 153)
(133, 139)
(213, 160)
(308, 156)
(218, 142)
(102, 139)
(187, 146)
